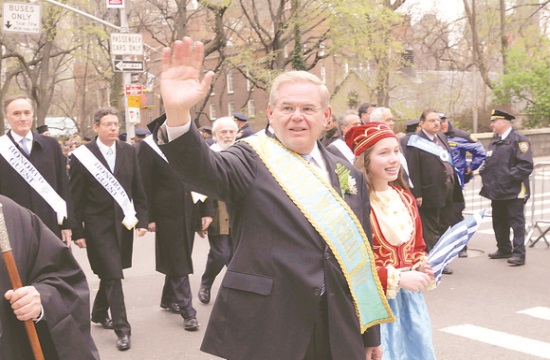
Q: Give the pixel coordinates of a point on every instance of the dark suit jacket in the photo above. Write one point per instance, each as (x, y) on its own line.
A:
(109, 243)
(427, 173)
(269, 298)
(45, 263)
(171, 207)
(47, 158)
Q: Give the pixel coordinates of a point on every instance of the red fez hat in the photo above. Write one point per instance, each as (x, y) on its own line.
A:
(360, 138)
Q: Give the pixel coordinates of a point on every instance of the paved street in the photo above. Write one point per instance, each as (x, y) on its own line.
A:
(482, 299)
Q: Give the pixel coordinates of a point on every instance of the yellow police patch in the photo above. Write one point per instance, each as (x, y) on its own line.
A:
(523, 146)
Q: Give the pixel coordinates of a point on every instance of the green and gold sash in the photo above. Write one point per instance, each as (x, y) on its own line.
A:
(329, 214)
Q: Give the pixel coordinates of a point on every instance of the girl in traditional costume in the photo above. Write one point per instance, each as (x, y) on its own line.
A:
(398, 244)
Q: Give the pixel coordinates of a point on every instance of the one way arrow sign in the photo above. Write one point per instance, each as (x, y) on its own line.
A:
(127, 66)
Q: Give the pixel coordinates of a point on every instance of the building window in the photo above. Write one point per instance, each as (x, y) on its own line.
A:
(249, 86)
(230, 108)
(229, 83)
(251, 108)
(212, 110)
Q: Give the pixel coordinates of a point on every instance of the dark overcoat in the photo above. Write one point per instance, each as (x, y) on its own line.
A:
(269, 298)
(99, 217)
(47, 158)
(427, 173)
(45, 263)
(171, 207)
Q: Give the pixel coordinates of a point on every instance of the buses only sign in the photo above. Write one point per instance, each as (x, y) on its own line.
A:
(21, 18)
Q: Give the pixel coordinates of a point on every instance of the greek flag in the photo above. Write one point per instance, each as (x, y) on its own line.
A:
(449, 244)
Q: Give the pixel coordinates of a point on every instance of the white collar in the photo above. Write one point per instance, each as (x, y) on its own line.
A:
(104, 148)
(506, 133)
(17, 138)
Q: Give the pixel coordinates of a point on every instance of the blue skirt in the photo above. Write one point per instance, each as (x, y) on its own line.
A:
(410, 336)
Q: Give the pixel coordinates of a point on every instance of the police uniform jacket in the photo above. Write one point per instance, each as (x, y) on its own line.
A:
(507, 167)
(461, 143)
(270, 295)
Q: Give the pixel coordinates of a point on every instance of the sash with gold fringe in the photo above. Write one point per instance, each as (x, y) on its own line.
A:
(338, 225)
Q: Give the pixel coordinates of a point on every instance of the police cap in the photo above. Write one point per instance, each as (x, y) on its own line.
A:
(240, 117)
(499, 114)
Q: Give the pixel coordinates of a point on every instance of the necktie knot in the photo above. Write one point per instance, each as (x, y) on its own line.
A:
(307, 157)
(25, 146)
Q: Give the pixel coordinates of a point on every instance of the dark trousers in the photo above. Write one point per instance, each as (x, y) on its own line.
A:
(110, 296)
(319, 345)
(509, 214)
(177, 289)
(435, 221)
(219, 256)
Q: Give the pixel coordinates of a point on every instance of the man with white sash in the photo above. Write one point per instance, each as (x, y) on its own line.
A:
(432, 173)
(174, 217)
(109, 203)
(33, 171)
(300, 284)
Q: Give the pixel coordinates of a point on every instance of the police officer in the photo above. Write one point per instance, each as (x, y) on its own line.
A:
(505, 176)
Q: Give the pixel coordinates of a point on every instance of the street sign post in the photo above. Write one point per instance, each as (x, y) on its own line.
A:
(126, 44)
(133, 90)
(115, 4)
(127, 66)
(21, 18)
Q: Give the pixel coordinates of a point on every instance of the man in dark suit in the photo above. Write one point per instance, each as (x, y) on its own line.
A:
(110, 201)
(436, 185)
(56, 297)
(290, 291)
(21, 149)
(174, 216)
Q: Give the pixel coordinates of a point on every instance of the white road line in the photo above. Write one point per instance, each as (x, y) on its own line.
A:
(537, 312)
(502, 339)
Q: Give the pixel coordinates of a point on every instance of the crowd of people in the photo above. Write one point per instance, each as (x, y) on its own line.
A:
(323, 222)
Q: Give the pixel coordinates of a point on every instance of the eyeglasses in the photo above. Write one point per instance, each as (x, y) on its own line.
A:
(288, 109)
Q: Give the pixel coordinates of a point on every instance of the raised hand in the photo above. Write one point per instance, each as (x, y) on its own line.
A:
(181, 86)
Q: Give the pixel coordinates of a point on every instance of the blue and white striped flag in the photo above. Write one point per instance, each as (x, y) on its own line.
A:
(449, 244)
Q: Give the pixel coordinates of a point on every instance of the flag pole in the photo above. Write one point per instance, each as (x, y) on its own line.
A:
(11, 266)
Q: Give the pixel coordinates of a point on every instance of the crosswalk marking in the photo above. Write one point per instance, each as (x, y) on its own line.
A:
(537, 312)
(502, 339)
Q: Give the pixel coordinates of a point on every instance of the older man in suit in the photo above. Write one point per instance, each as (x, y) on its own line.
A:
(44, 191)
(436, 185)
(109, 200)
(300, 284)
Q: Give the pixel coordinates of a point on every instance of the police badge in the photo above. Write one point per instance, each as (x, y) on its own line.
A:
(523, 146)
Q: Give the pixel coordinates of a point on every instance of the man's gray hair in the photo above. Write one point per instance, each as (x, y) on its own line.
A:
(377, 115)
(298, 76)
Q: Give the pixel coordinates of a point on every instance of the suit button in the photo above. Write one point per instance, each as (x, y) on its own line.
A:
(327, 256)
(317, 292)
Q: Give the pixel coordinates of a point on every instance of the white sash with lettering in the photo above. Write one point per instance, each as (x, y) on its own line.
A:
(149, 140)
(32, 176)
(110, 183)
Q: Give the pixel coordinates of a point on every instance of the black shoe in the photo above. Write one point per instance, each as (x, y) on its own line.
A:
(499, 255)
(172, 307)
(123, 343)
(204, 295)
(447, 270)
(106, 322)
(191, 324)
(516, 261)
(463, 253)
